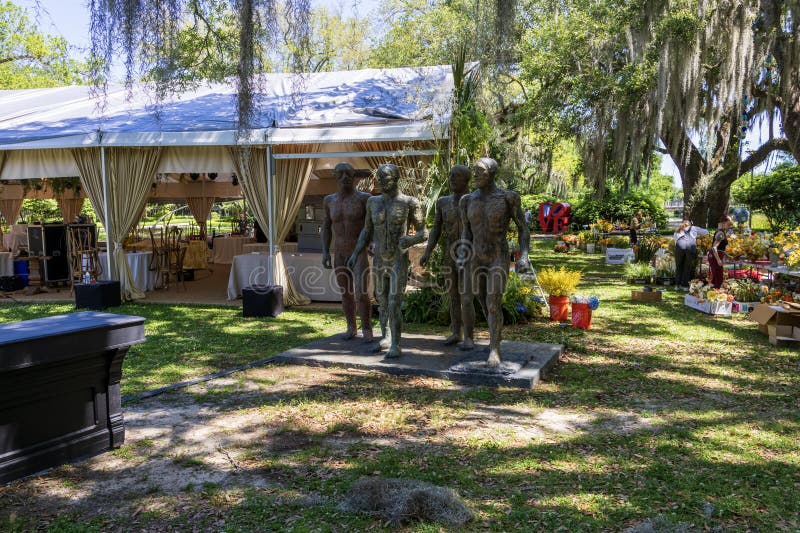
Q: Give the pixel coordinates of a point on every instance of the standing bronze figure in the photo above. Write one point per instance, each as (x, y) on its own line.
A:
(387, 222)
(448, 220)
(486, 213)
(344, 213)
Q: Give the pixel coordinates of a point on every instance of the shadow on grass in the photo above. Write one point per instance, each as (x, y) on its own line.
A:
(588, 478)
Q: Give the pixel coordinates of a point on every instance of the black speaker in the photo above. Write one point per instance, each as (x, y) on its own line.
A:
(50, 241)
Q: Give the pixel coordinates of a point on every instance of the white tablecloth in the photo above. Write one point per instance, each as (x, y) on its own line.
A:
(6, 264)
(311, 279)
(225, 248)
(256, 247)
(246, 270)
(306, 271)
(143, 278)
(17, 238)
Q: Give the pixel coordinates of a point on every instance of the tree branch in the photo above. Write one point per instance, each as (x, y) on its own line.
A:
(760, 155)
(11, 59)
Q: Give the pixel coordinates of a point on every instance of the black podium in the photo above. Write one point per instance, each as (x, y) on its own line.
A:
(262, 300)
(98, 295)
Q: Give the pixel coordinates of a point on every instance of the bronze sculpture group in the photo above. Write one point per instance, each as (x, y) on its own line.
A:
(474, 226)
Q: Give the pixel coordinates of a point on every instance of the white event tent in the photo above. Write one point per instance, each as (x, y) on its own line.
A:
(117, 144)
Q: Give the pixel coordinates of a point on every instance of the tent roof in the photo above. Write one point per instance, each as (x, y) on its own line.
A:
(372, 104)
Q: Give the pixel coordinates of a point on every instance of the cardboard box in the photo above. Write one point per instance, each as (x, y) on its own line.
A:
(646, 296)
(774, 315)
(711, 308)
(783, 334)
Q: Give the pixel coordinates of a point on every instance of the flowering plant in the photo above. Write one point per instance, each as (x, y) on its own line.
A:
(559, 282)
(665, 265)
(592, 301)
(572, 240)
(787, 246)
(604, 226)
(704, 242)
(561, 248)
(704, 292)
(744, 290)
(619, 241)
(751, 247)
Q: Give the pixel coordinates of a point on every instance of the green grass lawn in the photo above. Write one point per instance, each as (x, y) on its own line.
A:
(189, 341)
(663, 411)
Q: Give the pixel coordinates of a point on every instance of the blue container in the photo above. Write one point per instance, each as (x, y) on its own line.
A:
(21, 270)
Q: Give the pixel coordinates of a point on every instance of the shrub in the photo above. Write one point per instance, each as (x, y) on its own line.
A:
(620, 206)
(519, 301)
(777, 195)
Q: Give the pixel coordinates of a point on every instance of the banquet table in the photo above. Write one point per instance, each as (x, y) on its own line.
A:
(246, 270)
(195, 255)
(225, 248)
(308, 277)
(6, 264)
(17, 238)
(305, 270)
(139, 262)
(256, 248)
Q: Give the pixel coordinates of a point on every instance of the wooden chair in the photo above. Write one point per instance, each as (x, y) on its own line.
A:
(83, 253)
(177, 253)
(159, 261)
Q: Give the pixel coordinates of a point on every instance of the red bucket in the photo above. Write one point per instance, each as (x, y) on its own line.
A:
(581, 315)
(559, 308)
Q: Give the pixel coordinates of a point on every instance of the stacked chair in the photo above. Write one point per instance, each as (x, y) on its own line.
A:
(83, 254)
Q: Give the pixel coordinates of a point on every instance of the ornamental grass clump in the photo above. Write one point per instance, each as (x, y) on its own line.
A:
(638, 271)
(559, 282)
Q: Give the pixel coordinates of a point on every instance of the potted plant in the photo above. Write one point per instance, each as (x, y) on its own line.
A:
(559, 284)
(637, 273)
(665, 269)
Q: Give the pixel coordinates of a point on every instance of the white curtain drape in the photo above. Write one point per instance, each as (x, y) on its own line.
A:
(291, 181)
(200, 206)
(10, 210)
(130, 173)
(70, 208)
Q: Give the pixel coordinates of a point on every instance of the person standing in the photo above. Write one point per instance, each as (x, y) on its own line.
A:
(716, 256)
(636, 223)
(686, 253)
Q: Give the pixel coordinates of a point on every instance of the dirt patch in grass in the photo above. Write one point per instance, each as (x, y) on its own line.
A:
(190, 448)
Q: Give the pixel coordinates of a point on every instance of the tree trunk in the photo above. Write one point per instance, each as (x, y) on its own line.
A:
(717, 201)
(791, 126)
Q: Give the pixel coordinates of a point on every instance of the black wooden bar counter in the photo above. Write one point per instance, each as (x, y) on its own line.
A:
(59, 388)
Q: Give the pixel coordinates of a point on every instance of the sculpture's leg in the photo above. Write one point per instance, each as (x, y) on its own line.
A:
(495, 285)
(467, 309)
(381, 281)
(397, 290)
(362, 297)
(344, 278)
(455, 304)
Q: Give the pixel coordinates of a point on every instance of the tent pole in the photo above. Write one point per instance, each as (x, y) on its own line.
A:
(271, 217)
(107, 221)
